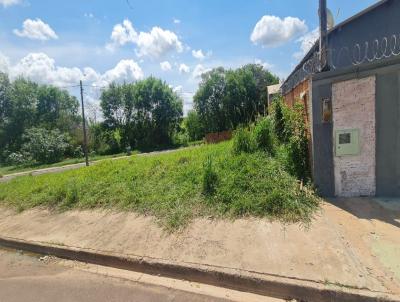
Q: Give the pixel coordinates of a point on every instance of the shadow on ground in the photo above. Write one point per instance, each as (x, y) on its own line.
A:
(383, 209)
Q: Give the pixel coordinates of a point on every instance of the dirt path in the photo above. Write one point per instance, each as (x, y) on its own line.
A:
(352, 243)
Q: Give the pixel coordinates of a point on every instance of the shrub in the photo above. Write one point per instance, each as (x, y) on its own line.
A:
(194, 126)
(78, 152)
(18, 159)
(210, 177)
(279, 121)
(242, 141)
(180, 138)
(264, 136)
(44, 146)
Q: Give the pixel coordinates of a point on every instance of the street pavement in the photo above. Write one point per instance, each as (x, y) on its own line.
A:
(28, 277)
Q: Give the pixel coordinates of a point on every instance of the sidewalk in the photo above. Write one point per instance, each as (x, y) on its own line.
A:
(353, 243)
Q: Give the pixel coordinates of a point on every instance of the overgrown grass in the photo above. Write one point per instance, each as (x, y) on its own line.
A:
(4, 170)
(171, 187)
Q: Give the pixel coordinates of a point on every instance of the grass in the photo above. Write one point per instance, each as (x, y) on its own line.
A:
(170, 187)
(4, 170)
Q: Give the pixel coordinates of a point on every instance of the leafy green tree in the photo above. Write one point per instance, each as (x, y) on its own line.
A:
(194, 126)
(25, 104)
(279, 120)
(159, 110)
(20, 113)
(229, 98)
(56, 108)
(44, 146)
(5, 107)
(209, 100)
(146, 112)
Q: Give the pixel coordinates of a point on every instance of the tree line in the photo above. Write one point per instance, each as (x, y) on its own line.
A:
(42, 123)
(229, 98)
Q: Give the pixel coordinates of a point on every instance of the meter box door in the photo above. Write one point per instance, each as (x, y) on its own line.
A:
(347, 142)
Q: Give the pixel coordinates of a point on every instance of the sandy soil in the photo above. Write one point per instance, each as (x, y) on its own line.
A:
(351, 242)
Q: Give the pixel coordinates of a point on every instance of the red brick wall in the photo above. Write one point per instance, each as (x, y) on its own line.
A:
(294, 95)
(213, 138)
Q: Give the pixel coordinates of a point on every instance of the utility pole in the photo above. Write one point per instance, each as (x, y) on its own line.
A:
(85, 148)
(323, 38)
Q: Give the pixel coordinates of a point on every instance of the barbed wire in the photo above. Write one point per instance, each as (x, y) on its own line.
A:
(360, 53)
(366, 52)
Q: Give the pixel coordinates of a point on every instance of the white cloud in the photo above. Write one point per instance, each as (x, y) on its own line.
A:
(272, 31)
(183, 68)
(306, 42)
(264, 64)
(177, 21)
(40, 68)
(199, 70)
(198, 54)
(36, 30)
(165, 66)
(122, 34)
(125, 70)
(7, 3)
(4, 63)
(178, 89)
(88, 15)
(155, 43)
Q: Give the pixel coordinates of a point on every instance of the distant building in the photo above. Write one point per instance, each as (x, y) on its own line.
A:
(273, 91)
(353, 104)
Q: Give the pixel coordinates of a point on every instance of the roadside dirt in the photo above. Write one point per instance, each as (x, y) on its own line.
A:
(351, 243)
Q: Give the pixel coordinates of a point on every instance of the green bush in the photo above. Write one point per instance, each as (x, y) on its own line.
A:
(180, 138)
(264, 136)
(41, 146)
(210, 177)
(194, 126)
(279, 120)
(243, 141)
(291, 130)
(18, 159)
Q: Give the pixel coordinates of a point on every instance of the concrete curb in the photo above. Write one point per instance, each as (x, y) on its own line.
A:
(268, 285)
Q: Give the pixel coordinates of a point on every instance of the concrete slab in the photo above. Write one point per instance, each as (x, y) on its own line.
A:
(351, 243)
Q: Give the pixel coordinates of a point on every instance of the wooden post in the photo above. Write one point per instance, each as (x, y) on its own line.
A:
(85, 148)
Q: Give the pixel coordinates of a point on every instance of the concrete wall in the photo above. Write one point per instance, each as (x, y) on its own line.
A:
(378, 24)
(353, 104)
(388, 134)
(322, 142)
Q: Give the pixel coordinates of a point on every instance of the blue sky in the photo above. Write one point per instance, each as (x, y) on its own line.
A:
(56, 41)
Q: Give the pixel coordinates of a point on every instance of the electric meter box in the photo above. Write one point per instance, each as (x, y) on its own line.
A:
(347, 142)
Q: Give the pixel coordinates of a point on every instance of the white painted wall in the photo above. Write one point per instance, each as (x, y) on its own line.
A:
(353, 104)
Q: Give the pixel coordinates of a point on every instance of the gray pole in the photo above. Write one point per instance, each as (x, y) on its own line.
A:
(85, 148)
(323, 38)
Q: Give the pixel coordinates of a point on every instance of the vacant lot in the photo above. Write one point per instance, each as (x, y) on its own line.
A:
(175, 187)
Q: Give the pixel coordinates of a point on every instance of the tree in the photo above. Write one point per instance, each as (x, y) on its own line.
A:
(193, 126)
(159, 110)
(208, 100)
(56, 108)
(5, 108)
(146, 112)
(44, 146)
(20, 113)
(25, 104)
(228, 98)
